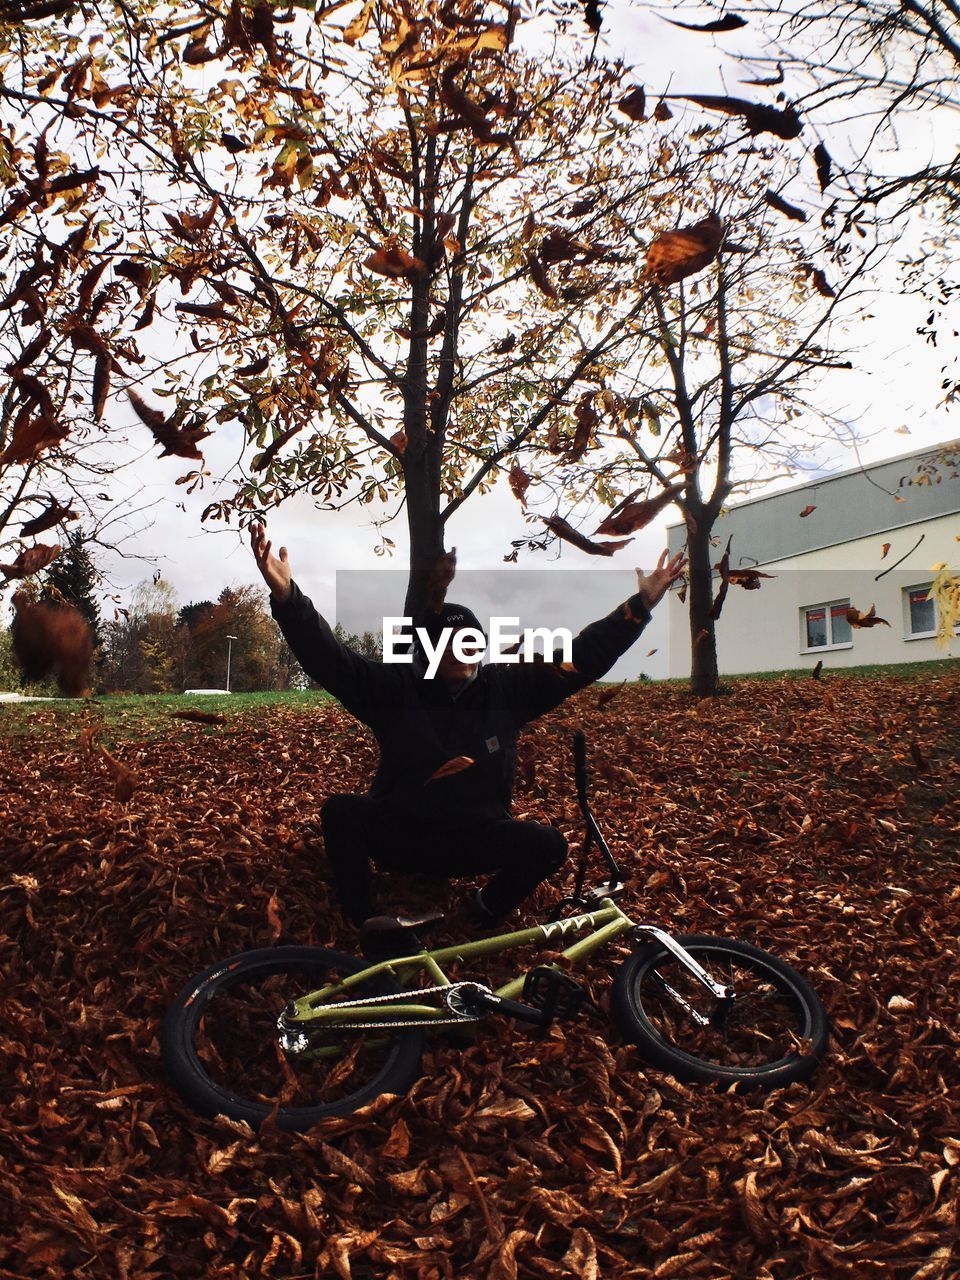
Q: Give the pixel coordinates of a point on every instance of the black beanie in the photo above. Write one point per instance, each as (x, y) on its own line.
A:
(454, 616)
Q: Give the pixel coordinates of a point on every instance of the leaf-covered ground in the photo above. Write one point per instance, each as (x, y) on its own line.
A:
(818, 819)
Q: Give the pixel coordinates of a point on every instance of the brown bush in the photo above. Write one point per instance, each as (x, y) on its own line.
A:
(52, 640)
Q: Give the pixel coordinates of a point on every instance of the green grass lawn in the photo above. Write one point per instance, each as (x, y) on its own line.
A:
(133, 714)
(896, 670)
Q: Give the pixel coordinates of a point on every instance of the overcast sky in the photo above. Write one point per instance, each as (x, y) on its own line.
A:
(893, 390)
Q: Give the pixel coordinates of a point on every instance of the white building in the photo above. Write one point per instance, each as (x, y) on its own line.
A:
(865, 537)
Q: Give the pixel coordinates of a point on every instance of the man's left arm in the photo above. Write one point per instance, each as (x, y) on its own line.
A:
(535, 688)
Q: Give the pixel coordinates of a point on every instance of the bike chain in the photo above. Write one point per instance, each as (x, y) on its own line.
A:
(393, 997)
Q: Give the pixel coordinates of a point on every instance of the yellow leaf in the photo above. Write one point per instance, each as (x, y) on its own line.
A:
(357, 29)
(494, 37)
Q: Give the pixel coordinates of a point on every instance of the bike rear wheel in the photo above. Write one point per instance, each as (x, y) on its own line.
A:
(221, 1049)
(773, 1032)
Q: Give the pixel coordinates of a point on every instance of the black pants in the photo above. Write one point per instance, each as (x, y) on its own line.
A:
(358, 830)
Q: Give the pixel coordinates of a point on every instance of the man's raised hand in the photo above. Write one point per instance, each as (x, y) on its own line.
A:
(652, 586)
(276, 571)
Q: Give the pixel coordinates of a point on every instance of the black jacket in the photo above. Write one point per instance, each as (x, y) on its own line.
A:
(419, 725)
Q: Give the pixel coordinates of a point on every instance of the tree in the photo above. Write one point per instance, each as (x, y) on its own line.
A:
(718, 396)
(368, 644)
(140, 648)
(392, 279)
(72, 579)
(254, 654)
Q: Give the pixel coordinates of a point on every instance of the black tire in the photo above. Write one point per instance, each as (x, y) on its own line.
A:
(775, 1032)
(220, 1047)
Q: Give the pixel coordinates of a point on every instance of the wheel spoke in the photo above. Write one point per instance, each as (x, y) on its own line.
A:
(222, 1046)
(765, 1022)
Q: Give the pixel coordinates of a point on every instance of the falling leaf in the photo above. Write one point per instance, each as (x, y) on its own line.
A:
(263, 459)
(636, 515)
(868, 619)
(729, 22)
(124, 779)
(821, 158)
(674, 255)
(519, 481)
(200, 717)
(607, 695)
(180, 441)
(777, 202)
(358, 28)
(749, 579)
(565, 531)
(651, 652)
(101, 384)
(254, 368)
(820, 283)
(201, 221)
(273, 918)
(205, 310)
(783, 123)
(807, 510)
(455, 765)
(399, 441)
(538, 275)
(52, 640)
(32, 435)
(55, 514)
(396, 264)
(138, 272)
(505, 345)
(768, 82)
(634, 104)
(884, 550)
(441, 575)
(30, 560)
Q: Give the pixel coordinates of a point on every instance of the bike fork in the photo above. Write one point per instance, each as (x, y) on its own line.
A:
(686, 959)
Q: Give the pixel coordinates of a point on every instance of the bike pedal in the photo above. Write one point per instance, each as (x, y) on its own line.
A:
(553, 992)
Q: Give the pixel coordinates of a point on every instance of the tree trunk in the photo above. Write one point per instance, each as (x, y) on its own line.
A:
(422, 488)
(704, 677)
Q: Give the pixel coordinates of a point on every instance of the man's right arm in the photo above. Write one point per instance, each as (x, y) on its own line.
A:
(360, 684)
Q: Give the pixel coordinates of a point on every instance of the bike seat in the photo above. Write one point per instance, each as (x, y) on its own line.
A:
(395, 927)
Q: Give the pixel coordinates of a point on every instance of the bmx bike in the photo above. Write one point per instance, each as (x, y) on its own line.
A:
(304, 1033)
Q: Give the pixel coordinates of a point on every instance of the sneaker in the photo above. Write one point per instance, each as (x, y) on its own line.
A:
(479, 913)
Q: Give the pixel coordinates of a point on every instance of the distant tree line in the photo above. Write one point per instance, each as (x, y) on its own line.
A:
(158, 646)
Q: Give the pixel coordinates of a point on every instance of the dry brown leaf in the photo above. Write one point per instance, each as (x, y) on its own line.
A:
(565, 531)
(31, 560)
(674, 255)
(395, 264)
(455, 765)
(868, 619)
(125, 780)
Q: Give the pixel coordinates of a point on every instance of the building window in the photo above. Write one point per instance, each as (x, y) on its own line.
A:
(825, 626)
(919, 612)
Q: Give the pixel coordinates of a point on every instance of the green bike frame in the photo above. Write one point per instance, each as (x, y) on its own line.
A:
(316, 1008)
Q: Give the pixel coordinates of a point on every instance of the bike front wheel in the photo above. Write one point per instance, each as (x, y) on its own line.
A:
(221, 1044)
(773, 1031)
